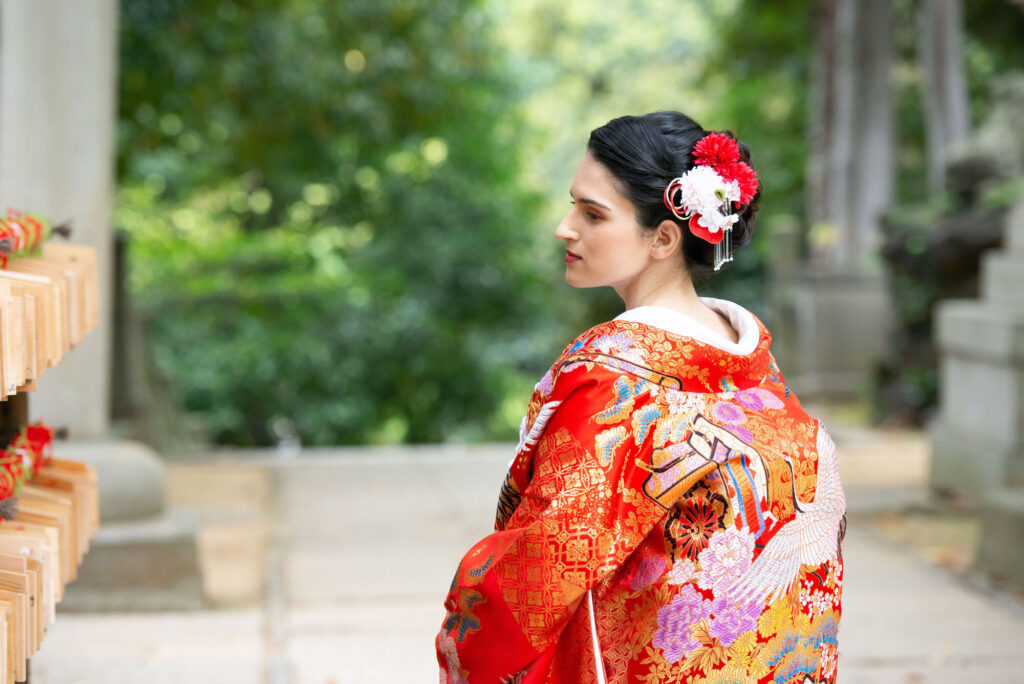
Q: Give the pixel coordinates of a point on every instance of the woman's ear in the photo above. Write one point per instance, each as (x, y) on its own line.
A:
(668, 239)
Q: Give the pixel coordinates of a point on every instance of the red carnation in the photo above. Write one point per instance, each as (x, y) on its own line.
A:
(744, 177)
(716, 150)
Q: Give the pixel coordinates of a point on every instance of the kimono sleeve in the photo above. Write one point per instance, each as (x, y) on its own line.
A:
(581, 515)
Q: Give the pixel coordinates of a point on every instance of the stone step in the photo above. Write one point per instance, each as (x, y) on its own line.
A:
(967, 461)
(145, 565)
(980, 330)
(130, 476)
(1000, 552)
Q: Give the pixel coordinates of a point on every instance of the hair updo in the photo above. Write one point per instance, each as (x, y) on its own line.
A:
(644, 153)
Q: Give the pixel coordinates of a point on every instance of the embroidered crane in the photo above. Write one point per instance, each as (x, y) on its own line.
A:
(528, 439)
(810, 538)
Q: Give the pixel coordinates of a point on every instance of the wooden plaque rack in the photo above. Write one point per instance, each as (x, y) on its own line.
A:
(48, 302)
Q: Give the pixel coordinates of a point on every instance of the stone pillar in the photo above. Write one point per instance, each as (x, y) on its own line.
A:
(841, 313)
(58, 75)
(978, 440)
(940, 53)
(978, 436)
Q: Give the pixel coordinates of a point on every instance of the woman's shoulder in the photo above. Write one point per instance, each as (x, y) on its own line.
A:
(688, 358)
(607, 350)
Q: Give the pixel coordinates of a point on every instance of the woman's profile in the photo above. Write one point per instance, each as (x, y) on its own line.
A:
(671, 514)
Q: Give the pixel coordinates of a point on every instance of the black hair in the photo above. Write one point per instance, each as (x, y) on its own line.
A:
(644, 153)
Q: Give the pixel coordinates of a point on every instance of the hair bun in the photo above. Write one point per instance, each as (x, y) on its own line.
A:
(645, 153)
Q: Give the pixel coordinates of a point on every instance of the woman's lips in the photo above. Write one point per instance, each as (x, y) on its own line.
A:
(570, 257)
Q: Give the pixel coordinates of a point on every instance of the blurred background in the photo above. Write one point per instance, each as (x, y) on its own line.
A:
(331, 281)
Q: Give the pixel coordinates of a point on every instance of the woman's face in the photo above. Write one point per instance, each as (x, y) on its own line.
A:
(603, 240)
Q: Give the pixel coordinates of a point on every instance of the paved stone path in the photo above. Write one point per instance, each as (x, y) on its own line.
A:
(330, 568)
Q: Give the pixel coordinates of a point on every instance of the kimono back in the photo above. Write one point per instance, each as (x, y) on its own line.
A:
(671, 515)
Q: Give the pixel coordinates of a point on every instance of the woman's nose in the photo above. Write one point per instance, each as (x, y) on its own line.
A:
(565, 231)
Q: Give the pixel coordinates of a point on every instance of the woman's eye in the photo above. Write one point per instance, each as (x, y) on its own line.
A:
(589, 214)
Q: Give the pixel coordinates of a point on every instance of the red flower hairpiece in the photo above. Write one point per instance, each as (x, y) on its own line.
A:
(715, 150)
(721, 153)
(706, 194)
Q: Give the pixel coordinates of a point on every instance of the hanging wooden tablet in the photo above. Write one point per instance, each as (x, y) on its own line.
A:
(84, 258)
(77, 489)
(27, 309)
(52, 516)
(9, 631)
(14, 332)
(26, 574)
(18, 582)
(15, 603)
(59, 275)
(47, 313)
(65, 266)
(30, 540)
(45, 606)
(6, 656)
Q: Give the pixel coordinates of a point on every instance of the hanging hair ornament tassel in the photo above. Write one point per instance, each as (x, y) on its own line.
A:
(23, 234)
(723, 249)
(707, 194)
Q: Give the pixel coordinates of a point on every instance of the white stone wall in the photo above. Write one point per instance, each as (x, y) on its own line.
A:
(58, 86)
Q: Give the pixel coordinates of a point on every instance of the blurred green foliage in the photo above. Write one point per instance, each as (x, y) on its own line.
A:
(326, 225)
(342, 214)
(580, 67)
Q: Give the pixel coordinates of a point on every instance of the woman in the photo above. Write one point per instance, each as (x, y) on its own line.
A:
(671, 514)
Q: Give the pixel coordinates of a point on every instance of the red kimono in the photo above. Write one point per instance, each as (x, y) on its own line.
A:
(671, 515)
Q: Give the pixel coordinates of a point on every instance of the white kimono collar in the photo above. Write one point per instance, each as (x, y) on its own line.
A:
(686, 326)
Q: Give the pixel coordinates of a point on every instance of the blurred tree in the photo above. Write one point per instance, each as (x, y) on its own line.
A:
(934, 236)
(756, 78)
(940, 53)
(851, 161)
(328, 234)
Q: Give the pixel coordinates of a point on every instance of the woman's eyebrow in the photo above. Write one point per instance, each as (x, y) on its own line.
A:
(584, 200)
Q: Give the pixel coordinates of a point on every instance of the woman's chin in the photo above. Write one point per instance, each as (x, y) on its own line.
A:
(573, 279)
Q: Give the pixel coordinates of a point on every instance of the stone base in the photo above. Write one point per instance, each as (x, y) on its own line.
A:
(130, 476)
(978, 438)
(842, 323)
(147, 565)
(1001, 553)
(966, 467)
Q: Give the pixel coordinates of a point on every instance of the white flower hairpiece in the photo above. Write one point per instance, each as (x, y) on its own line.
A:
(705, 195)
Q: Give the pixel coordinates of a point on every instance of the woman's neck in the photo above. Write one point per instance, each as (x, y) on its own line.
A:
(675, 292)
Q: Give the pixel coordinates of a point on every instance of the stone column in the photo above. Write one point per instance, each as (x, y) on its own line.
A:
(946, 111)
(978, 440)
(840, 310)
(978, 437)
(58, 75)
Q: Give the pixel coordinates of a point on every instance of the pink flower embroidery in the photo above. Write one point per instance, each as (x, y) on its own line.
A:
(732, 618)
(651, 568)
(757, 399)
(726, 558)
(676, 622)
(728, 413)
